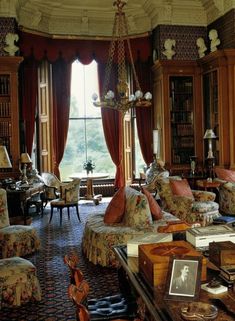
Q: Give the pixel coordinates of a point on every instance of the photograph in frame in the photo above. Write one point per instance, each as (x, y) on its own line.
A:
(184, 278)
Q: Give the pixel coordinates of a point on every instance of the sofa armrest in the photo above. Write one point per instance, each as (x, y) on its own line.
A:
(203, 196)
(229, 186)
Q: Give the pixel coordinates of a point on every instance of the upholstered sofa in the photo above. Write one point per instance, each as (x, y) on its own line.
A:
(226, 178)
(188, 205)
(100, 234)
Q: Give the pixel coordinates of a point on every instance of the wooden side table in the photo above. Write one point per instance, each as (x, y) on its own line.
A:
(207, 184)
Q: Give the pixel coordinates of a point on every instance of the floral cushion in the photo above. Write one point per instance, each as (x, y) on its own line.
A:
(18, 282)
(70, 191)
(137, 212)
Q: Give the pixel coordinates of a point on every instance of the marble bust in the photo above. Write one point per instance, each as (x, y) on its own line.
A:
(215, 41)
(201, 47)
(168, 45)
(10, 39)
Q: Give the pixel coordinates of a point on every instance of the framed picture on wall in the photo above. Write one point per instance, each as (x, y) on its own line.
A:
(184, 278)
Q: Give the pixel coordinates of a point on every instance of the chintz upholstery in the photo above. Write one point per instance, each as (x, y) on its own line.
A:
(99, 237)
(18, 282)
(226, 197)
(201, 207)
(15, 240)
(69, 197)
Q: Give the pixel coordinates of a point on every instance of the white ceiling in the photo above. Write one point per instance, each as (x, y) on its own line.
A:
(94, 18)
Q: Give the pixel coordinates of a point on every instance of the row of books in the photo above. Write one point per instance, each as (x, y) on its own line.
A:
(182, 117)
(4, 85)
(5, 129)
(182, 130)
(5, 109)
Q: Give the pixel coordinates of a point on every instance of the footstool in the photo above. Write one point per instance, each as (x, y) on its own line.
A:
(18, 282)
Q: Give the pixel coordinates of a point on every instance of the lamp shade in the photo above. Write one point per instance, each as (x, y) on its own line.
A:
(25, 159)
(4, 158)
(209, 134)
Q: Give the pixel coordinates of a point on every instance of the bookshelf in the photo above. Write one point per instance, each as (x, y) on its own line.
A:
(178, 113)
(182, 125)
(9, 112)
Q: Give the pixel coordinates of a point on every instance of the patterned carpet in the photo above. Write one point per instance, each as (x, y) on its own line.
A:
(53, 274)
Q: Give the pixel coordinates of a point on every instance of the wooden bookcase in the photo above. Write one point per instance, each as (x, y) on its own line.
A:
(9, 112)
(178, 112)
(217, 70)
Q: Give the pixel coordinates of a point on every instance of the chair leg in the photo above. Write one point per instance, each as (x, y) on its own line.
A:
(77, 210)
(68, 212)
(52, 208)
(61, 216)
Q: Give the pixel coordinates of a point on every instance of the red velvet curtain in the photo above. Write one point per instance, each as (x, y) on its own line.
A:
(61, 81)
(113, 130)
(144, 116)
(29, 90)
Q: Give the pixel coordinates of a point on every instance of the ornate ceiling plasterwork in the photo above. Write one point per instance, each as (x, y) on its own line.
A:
(94, 18)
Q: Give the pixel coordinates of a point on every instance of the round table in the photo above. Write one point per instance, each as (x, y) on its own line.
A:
(90, 195)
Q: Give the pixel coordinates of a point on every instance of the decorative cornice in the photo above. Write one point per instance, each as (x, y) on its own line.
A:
(95, 17)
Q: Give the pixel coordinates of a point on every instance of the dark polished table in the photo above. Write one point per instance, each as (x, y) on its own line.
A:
(17, 201)
(158, 309)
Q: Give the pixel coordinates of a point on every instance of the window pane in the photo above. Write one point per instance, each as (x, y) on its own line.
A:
(139, 161)
(85, 135)
(83, 84)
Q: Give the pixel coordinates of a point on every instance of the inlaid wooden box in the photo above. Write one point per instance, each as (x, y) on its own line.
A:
(222, 253)
(154, 260)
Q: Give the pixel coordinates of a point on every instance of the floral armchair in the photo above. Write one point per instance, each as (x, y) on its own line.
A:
(226, 197)
(201, 207)
(51, 187)
(15, 240)
(69, 197)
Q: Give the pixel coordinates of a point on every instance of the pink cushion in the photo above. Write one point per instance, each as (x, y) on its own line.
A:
(181, 188)
(225, 174)
(116, 208)
(154, 207)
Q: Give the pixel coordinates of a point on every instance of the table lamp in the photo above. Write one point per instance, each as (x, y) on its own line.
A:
(209, 134)
(4, 158)
(25, 160)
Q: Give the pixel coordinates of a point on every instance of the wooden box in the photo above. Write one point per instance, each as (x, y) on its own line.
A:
(154, 260)
(222, 253)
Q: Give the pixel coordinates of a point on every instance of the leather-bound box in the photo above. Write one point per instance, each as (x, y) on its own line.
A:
(222, 253)
(154, 260)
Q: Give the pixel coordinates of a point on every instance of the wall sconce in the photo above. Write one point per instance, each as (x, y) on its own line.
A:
(24, 160)
(4, 158)
(209, 134)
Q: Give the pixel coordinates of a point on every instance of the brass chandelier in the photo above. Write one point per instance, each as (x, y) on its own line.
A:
(123, 100)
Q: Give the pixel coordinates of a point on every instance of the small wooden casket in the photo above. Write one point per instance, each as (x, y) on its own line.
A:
(154, 260)
(222, 253)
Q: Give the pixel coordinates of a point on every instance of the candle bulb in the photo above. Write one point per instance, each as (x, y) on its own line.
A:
(155, 141)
